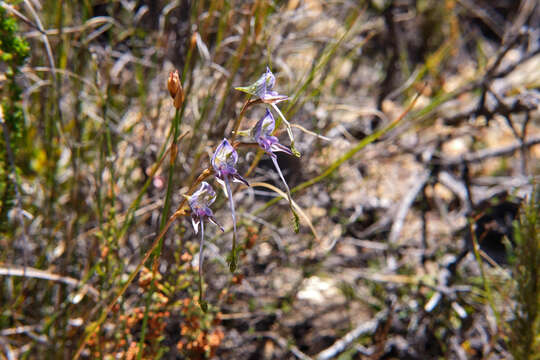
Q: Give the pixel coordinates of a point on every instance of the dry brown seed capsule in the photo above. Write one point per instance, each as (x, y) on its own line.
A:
(179, 98)
(193, 41)
(173, 83)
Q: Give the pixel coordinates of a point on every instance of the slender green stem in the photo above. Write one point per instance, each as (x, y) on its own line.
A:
(94, 327)
(174, 149)
(238, 120)
(480, 263)
(232, 263)
(144, 325)
(135, 204)
(234, 65)
(326, 56)
(201, 260)
(289, 129)
(164, 216)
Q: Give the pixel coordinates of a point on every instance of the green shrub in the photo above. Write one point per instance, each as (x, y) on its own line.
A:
(525, 329)
(13, 53)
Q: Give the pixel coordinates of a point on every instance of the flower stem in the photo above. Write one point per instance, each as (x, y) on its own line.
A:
(232, 264)
(201, 258)
(296, 219)
(274, 160)
(239, 120)
(288, 124)
(174, 149)
(95, 326)
(164, 216)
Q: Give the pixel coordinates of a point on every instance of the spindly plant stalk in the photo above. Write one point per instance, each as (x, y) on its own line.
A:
(200, 203)
(289, 129)
(524, 341)
(95, 326)
(276, 165)
(224, 163)
(262, 134)
(231, 206)
(201, 258)
(175, 89)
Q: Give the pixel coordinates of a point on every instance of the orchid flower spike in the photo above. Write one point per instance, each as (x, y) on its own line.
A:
(200, 203)
(262, 133)
(262, 89)
(224, 163)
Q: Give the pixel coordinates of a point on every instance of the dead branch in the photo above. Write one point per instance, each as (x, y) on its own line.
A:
(406, 204)
(40, 274)
(482, 155)
(342, 344)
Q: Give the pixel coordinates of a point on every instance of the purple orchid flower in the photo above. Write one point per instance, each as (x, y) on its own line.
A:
(224, 161)
(200, 203)
(262, 133)
(262, 88)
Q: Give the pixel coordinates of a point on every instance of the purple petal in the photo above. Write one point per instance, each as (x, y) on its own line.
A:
(272, 97)
(195, 220)
(203, 197)
(264, 127)
(280, 147)
(236, 177)
(267, 82)
(225, 157)
(213, 220)
(270, 79)
(265, 144)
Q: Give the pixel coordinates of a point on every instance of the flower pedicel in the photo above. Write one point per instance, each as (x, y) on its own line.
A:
(224, 163)
(200, 203)
(262, 133)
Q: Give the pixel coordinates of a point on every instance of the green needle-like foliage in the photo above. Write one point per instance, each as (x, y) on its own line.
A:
(525, 329)
(13, 53)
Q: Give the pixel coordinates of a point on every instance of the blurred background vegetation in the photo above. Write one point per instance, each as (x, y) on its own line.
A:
(418, 125)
